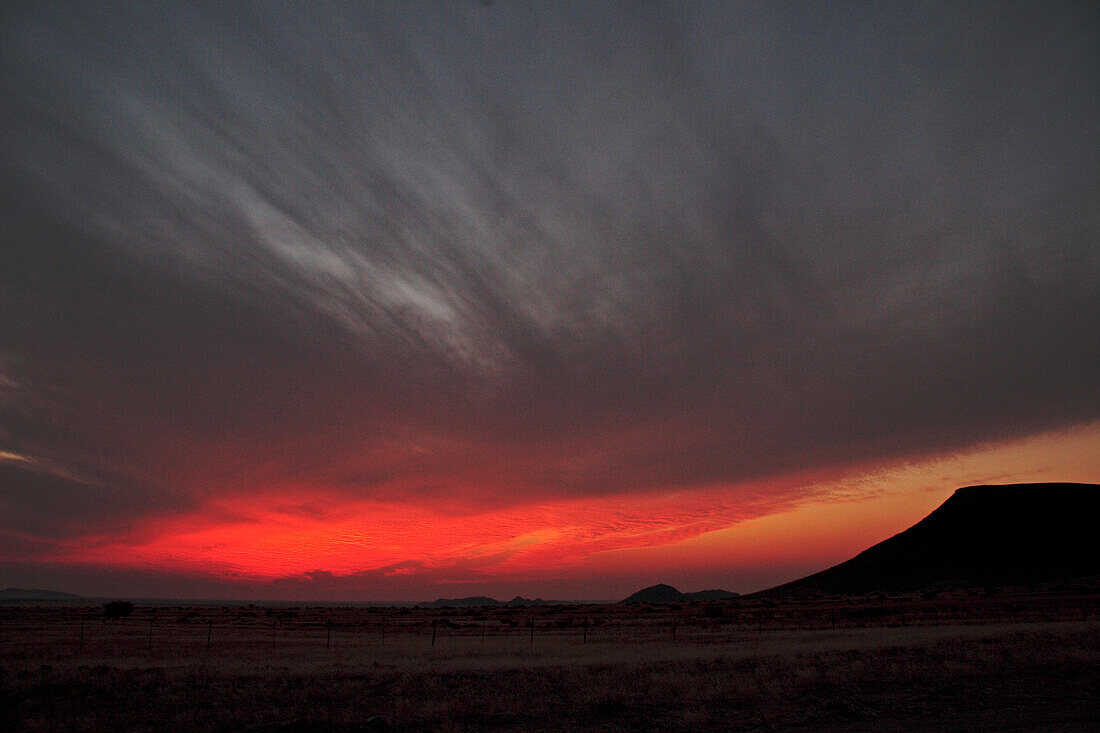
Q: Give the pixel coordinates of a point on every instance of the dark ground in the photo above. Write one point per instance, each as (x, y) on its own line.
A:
(839, 665)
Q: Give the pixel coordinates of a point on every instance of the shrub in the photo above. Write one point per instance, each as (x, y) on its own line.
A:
(117, 609)
(716, 611)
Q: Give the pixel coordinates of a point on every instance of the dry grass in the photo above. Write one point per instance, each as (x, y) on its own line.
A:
(368, 669)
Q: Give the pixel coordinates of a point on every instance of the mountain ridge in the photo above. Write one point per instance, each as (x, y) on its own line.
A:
(475, 601)
(36, 594)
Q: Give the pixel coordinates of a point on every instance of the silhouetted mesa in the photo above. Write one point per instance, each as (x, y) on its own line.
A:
(982, 536)
(662, 593)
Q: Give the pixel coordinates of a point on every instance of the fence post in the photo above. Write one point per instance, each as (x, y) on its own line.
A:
(434, 623)
(274, 623)
(532, 631)
(209, 631)
(150, 633)
(328, 635)
(585, 640)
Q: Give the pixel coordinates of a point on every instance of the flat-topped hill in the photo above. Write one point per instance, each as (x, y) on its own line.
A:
(982, 536)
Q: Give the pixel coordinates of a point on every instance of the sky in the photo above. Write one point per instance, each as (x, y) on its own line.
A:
(398, 301)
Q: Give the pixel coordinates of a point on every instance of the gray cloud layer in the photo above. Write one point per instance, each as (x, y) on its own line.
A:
(524, 250)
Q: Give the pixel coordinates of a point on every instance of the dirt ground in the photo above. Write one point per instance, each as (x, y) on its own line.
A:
(1005, 664)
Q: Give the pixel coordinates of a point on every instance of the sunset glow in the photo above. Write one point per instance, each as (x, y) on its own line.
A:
(310, 545)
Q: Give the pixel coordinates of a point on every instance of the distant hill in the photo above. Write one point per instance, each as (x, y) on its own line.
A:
(468, 601)
(35, 594)
(982, 536)
(472, 601)
(662, 593)
(521, 601)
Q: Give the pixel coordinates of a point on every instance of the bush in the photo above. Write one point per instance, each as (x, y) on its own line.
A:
(717, 611)
(117, 609)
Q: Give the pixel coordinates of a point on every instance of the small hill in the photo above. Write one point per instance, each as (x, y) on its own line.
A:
(982, 536)
(36, 594)
(662, 593)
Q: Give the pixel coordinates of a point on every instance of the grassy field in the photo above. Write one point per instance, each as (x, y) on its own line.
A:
(958, 662)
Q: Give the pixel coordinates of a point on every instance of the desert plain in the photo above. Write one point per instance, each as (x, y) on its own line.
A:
(980, 659)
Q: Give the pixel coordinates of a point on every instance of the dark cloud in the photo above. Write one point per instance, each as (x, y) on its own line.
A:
(513, 252)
